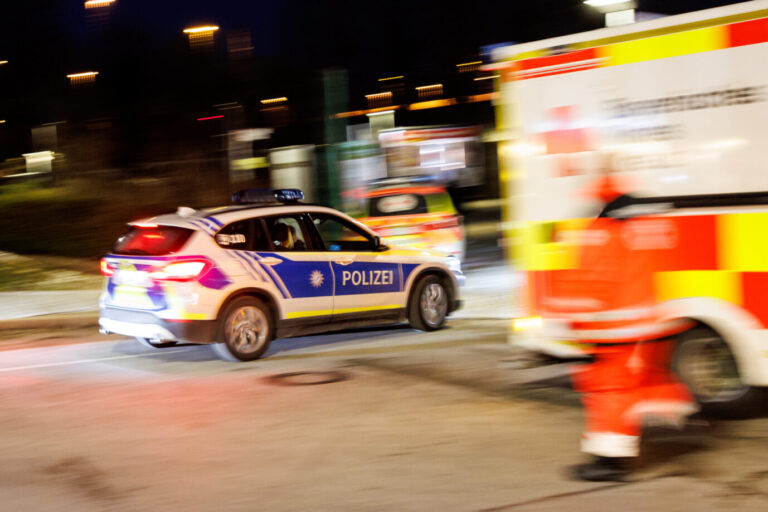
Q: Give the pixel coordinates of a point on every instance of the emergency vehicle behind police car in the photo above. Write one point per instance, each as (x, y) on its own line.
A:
(678, 105)
(239, 276)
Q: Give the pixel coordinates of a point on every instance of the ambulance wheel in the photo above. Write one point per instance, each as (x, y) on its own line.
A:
(428, 306)
(155, 343)
(246, 329)
(705, 363)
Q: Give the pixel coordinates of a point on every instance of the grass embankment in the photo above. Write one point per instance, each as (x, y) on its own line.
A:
(23, 273)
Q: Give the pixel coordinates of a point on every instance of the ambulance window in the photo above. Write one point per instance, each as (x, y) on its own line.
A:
(339, 235)
(286, 233)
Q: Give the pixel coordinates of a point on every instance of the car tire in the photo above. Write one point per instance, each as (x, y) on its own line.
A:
(146, 342)
(429, 304)
(246, 329)
(705, 363)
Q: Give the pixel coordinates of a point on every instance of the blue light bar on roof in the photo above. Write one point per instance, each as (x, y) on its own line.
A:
(267, 195)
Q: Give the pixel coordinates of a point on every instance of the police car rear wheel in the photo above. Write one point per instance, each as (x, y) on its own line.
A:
(246, 330)
(154, 343)
(429, 304)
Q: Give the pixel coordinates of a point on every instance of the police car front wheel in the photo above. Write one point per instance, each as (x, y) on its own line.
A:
(246, 329)
(429, 304)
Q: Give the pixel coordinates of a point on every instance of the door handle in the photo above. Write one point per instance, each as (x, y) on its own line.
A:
(271, 261)
(345, 261)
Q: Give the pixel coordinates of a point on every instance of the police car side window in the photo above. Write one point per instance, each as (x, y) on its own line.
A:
(235, 236)
(286, 233)
(340, 235)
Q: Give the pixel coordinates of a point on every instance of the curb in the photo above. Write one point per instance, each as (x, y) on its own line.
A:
(60, 321)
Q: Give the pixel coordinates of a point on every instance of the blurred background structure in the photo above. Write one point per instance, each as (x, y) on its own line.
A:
(115, 109)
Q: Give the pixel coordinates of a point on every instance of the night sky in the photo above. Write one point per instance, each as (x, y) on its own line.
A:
(146, 68)
(365, 35)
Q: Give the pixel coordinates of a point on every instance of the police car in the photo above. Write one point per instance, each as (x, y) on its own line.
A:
(266, 267)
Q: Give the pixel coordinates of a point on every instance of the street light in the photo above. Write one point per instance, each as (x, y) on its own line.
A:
(201, 36)
(201, 30)
(617, 12)
(85, 77)
(95, 4)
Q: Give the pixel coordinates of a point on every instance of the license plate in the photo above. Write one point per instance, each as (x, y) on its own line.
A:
(131, 278)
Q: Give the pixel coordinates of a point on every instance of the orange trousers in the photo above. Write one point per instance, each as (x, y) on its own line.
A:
(624, 385)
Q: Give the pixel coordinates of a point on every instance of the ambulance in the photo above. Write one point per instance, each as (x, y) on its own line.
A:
(677, 109)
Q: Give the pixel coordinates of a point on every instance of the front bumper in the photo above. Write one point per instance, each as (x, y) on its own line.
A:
(143, 324)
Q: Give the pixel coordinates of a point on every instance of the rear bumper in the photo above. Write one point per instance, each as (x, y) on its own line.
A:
(143, 324)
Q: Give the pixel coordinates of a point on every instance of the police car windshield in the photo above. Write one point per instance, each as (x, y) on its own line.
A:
(157, 241)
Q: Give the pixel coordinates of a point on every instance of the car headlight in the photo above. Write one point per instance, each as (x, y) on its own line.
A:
(453, 263)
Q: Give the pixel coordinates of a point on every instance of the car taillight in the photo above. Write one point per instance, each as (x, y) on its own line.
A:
(106, 269)
(181, 271)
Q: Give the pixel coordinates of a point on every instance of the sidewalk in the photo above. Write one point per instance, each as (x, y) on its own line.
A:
(48, 309)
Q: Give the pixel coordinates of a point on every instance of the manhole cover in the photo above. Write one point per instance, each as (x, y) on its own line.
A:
(307, 378)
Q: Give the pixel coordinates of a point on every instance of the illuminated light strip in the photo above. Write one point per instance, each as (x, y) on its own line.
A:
(355, 113)
(210, 117)
(481, 97)
(324, 312)
(426, 87)
(270, 101)
(83, 74)
(422, 105)
(391, 78)
(198, 30)
(473, 63)
(92, 4)
(3, 62)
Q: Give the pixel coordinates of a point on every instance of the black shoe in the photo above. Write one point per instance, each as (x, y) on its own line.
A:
(602, 469)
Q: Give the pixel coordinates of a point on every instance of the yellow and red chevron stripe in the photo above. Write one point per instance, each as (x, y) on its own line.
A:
(641, 49)
(722, 256)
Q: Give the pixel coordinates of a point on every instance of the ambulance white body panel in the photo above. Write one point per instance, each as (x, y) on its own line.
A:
(677, 108)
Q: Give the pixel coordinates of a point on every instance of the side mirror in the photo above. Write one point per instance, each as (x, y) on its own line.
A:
(379, 247)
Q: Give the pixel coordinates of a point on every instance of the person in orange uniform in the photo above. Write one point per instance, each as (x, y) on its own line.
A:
(618, 321)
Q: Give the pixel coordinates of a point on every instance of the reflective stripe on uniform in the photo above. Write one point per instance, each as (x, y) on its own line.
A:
(610, 444)
(645, 331)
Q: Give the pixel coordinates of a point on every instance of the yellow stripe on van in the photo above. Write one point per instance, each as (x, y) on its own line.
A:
(742, 242)
(669, 45)
(717, 284)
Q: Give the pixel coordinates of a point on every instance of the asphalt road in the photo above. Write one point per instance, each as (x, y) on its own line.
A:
(384, 419)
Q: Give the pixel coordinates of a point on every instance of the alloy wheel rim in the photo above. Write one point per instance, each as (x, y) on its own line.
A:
(247, 329)
(434, 304)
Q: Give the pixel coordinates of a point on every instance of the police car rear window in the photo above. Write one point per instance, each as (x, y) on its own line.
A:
(155, 241)
(398, 204)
